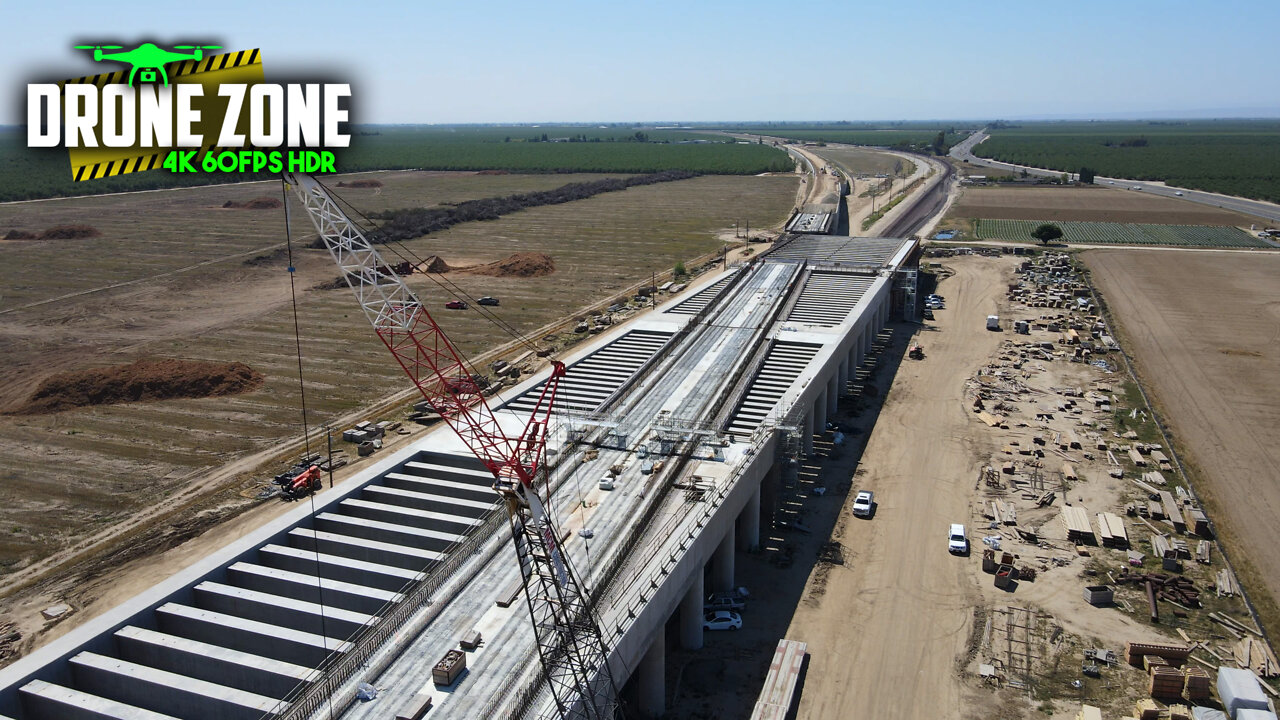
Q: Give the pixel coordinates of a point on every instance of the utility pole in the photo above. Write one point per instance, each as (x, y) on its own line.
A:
(328, 439)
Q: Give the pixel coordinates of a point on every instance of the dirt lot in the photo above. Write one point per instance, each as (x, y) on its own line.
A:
(893, 622)
(1099, 204)
(175, 275)
(1205, 331)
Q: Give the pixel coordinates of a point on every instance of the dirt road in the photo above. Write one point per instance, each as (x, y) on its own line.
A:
(1205, 331)
(885, 637)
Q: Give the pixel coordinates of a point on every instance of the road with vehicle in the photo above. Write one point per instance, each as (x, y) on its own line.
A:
(964, 151)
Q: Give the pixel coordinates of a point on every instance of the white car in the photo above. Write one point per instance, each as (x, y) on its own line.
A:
(721, 620)
(862, 503)
(606, 482)
(1178, 193)
(957, 540)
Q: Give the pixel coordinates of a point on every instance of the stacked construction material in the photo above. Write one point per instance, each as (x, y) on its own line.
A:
(1111, 531)
(1134, 652)
(1166, 682)
(1076, 519)
(1146, 709)
(1171, 588)
(1197, 684)
(1240, 689)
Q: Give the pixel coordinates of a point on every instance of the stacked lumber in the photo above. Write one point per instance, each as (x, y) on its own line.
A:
(1154, 478)
(1254, 654)
(1161, 548)
(1111, 530)
(1202, 552)
(1134, 652)
(1151, 661)
(1171, 511)
(1146, 709)
(1166, 682)
(1197, 683)
(989, 419)
(1161, 460)
(1226, 583)
(1137, 458)
(1076, 520)
(1069, 473)
(1089, 712)
(1179, 712)
(1199, 522)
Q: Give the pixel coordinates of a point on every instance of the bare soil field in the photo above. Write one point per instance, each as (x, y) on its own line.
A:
(1098, 204)
(175, 275)
(1204, 330)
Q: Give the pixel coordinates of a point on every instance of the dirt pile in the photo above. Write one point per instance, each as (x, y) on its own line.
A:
(434, 264)
(147, 379)
(260, 203)
(521, 264)
(57, 232)
(361, 184)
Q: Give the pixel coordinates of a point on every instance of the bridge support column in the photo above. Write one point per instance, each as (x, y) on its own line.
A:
(820, 413)
(749, 521)
(691, 614)
(833, 394)
(808, 432)
(722, 577)
(842, 377)
(651, 680)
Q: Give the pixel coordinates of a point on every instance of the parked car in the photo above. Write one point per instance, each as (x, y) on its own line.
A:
(486, 300)
(615, 307)
(863, 502)
(724, 601)
(935, 296)
(928, 313)
(721, 620)
(957, 540)
(456, 305)
(606, 482)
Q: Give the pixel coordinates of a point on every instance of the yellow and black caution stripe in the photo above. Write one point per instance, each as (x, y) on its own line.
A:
(243, 66)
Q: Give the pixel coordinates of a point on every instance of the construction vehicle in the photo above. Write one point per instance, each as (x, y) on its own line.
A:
(295, 484)
(566, 631)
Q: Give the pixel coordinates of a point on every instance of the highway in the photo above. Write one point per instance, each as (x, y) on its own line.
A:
(1271, 211)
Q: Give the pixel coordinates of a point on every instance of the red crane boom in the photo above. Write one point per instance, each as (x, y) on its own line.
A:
(570, 643)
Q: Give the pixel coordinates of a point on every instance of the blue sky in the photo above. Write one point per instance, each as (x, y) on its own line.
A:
(499, 61)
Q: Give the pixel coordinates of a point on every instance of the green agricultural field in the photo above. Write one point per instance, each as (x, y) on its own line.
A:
(27, 174)
(1234, 157)
(1102, 233)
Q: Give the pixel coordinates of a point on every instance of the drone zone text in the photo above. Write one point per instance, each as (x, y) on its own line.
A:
(151, 116)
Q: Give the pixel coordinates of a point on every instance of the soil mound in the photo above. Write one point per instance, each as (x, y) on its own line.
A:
(494, 172)
(361, 184)
(260, 203)
(69, 232)
(148, 379)
(434, 264)
(522, 264)
(20, 235)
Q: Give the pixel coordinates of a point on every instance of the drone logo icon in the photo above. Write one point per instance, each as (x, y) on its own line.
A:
(148, 58)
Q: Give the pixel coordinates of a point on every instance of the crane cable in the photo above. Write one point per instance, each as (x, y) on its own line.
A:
(306, 431)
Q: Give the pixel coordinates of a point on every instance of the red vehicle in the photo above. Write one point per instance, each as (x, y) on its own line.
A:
(455, 305)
